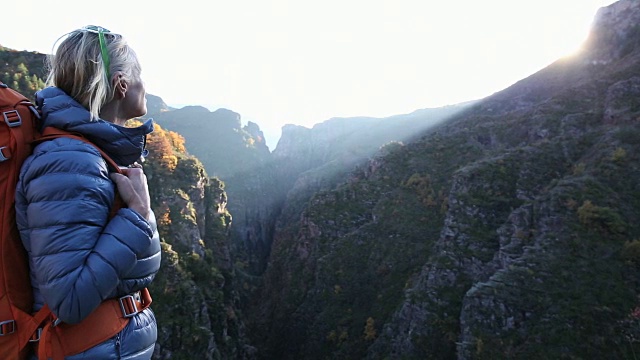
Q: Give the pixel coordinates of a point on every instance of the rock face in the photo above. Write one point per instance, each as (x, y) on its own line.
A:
(507, 231)
(307, 161)
(194, 298)
(614, 34)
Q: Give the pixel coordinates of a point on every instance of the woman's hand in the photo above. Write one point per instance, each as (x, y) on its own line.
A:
(133, 188)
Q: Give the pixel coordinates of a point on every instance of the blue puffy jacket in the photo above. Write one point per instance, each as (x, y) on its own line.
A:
(77, 254)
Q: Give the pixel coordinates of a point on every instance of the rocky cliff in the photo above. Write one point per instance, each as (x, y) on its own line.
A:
(308, 160)
(508, 231)
(194, 298)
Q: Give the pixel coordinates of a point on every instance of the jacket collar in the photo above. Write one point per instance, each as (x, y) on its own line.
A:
(124, 145)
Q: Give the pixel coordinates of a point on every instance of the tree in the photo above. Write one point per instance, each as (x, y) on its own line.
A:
(370, 330)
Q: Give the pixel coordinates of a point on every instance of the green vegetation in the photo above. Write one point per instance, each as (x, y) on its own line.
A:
(22, 71)
(600, 218)
(194, 296)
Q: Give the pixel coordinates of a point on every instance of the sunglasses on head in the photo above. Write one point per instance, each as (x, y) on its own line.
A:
(103, 44)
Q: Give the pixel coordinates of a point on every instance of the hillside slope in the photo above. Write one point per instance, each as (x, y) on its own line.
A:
(509, 231)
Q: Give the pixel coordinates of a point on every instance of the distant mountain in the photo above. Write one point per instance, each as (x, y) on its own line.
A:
(217, 138)
(155, 105)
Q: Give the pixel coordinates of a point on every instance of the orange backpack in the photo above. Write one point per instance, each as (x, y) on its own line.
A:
(19, 327)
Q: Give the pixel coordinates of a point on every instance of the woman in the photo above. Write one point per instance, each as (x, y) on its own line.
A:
(80, 256)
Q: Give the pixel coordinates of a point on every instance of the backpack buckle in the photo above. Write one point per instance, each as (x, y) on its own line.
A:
(36, 335)
(7, 327)
(12, 118)
(5, 154)
(128, 306)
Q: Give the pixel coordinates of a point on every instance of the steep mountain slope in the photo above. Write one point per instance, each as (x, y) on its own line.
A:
(509, 231)
(304, 162)
(194, 298)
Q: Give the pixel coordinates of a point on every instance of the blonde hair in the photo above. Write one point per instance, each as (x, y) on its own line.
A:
(78, 69)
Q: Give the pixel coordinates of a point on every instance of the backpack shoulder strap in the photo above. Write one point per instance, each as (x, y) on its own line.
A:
(50, 133)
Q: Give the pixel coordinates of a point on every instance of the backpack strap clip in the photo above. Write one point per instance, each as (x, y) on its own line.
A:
(128, 306)
(7, 327)
(35, 112)
(12, 118)
(132, 304)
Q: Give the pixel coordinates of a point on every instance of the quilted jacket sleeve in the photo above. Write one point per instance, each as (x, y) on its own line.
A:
(78, 254)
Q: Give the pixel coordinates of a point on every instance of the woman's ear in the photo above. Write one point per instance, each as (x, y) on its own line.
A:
(119, 85)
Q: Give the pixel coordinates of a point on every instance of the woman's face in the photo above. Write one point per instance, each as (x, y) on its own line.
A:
(134, 102)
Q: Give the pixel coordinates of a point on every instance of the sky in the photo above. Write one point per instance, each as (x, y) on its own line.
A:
(302, 62)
